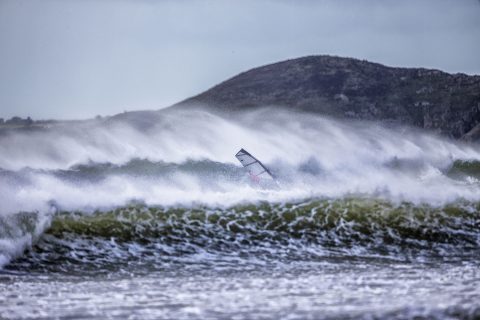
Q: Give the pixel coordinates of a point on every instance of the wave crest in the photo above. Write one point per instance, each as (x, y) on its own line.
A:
(313, 229)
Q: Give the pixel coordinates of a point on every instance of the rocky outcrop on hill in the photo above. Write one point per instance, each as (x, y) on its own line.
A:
(349, 88)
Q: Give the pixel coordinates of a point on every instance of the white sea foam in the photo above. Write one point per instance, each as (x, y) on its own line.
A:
(313, 156)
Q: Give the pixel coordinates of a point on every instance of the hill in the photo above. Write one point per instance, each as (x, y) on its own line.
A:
(349, 88)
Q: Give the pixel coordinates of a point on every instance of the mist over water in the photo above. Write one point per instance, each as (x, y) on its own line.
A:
(161, 194)
(168, 158)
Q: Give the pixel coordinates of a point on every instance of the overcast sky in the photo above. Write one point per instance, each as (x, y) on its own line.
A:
(70, 59)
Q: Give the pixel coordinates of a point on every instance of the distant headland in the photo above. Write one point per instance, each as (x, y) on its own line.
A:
(445, 103)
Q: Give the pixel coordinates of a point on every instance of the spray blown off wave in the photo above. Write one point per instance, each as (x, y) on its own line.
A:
(188, 157)
(186, 160)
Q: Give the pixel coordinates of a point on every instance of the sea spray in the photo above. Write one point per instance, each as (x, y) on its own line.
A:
(150, 215)
(186, 160)
(19, 232)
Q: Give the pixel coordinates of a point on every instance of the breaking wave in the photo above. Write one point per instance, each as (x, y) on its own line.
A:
(351, 186)
(313, 229)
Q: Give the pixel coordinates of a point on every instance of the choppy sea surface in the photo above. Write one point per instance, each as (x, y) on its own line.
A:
(149, 216)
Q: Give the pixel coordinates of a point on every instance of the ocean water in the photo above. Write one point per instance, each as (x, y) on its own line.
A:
(149, 216)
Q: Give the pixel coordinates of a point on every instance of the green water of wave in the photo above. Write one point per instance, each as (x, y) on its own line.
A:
(462, 168)
(345, 220)
(163, 237)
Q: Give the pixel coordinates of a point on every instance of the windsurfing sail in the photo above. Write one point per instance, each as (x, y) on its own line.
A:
(256, 169)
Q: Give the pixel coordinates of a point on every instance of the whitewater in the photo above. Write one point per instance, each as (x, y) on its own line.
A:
(149, 215)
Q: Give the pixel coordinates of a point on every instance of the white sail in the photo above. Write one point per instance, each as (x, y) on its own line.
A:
(256, 169)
